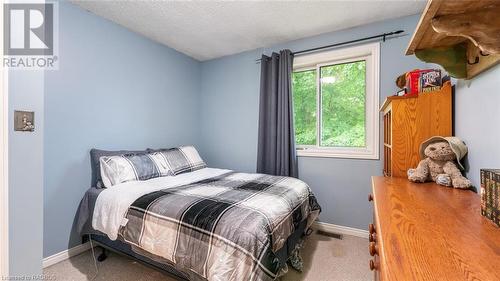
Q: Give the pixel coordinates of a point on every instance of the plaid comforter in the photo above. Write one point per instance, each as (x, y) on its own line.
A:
(223, 228)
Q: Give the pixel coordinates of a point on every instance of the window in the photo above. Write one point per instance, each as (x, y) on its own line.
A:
(335, 97)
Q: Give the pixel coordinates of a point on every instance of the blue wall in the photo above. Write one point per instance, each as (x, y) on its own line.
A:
(229, 120)
(230, 111)
(114, 90)
(26, 175)
(477, 120)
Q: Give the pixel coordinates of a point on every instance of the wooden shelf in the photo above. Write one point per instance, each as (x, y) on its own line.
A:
(462, 36)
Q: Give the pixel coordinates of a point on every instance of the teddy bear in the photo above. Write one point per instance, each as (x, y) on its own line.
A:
(441, 161)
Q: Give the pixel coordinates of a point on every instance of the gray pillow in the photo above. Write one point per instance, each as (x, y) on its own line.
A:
(96, 154)
(133, 167)
(183, 159)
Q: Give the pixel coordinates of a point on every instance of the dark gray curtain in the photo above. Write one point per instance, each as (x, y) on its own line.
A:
(276, 152)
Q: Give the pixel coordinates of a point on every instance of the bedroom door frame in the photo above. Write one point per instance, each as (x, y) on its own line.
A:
(4, 161)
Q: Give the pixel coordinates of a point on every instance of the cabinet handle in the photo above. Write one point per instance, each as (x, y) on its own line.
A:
(372, 237)
(371, 228)
(370, 197)
(372, 265)
(373, 249)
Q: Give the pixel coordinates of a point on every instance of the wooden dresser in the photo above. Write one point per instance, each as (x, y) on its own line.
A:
(430, 232)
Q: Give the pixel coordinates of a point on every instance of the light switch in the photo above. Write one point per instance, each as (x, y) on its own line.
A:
(24, 121)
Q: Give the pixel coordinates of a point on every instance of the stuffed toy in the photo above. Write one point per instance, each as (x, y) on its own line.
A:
(441, 155)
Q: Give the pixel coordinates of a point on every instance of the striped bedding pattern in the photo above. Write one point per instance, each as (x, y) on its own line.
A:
(143, 166)
(223, 228)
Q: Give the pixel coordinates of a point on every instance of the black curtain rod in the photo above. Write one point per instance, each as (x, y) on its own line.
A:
(383, 36)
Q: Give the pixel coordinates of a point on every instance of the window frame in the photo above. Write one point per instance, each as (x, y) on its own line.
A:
(370, 53)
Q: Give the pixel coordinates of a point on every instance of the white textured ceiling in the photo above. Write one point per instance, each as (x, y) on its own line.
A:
(210, 29)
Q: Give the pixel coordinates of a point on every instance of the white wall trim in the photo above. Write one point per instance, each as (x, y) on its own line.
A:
(64, 255)
(4, 162)
(339, 229)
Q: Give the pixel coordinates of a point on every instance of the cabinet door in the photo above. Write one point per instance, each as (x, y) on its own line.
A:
(415, 120)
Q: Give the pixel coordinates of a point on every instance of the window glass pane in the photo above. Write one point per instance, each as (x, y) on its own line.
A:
(343, 105)
(304, 107)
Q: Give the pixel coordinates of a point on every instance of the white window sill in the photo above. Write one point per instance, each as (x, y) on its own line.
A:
(339, 153)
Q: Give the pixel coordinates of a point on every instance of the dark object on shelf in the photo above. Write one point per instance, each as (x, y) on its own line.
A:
(430, 80)
(422, 80)
(490, 194)
(401, 92)
(413, 83)
(445, 78)
(401, 81)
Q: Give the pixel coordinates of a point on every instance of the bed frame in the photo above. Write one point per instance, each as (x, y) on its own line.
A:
(122, 248)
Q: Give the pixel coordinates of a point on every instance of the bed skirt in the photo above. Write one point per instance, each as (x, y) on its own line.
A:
(125, 249)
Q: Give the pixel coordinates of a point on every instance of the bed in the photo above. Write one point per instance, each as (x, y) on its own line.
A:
(205, 224)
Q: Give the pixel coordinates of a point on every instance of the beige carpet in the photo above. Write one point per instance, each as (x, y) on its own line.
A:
(325, 259)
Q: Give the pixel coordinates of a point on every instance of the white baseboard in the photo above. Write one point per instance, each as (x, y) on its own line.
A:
(64, 255)
(345, 230)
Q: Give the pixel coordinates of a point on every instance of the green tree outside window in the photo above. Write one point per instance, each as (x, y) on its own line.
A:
(342, 97)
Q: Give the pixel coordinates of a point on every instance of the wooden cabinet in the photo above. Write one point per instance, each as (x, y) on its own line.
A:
(408, 121)
(431, 232)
